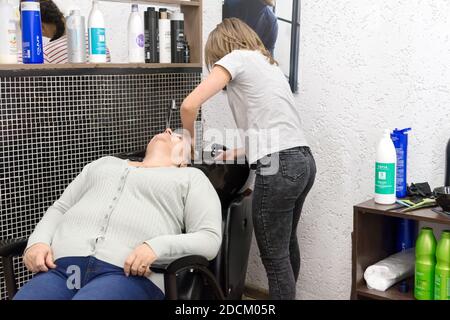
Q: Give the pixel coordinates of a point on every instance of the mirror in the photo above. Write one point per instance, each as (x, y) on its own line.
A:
(278, 25)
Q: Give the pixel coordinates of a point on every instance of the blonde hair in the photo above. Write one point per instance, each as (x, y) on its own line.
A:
(269, 2)
(233, 34)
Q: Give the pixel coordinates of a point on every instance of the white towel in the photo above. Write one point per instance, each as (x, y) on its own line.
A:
(391, 270)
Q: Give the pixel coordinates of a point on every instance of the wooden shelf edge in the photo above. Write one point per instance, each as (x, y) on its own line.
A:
(20, 67)
(390, 294)
(425, 214)
(168, 2)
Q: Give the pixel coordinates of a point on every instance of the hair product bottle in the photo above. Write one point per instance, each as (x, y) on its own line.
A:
(32, 45)
(177, 36)
(385, 168)
(97, 35)
(442, 272)
(151, 18)
(136, 40)
(8, 33)
(165, 54)
(76, 37)
(425, 264)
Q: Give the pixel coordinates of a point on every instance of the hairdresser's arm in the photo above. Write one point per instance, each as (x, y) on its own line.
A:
(216, 81)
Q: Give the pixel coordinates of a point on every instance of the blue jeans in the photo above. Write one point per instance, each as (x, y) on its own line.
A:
(277, 204)
(87, 278)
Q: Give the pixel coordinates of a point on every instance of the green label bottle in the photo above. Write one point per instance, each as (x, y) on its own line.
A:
(425, 265)
(442, 272)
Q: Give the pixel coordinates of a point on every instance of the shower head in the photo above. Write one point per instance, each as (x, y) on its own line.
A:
(172, 108)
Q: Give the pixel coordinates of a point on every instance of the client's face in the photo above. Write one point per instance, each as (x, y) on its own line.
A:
(170, 145)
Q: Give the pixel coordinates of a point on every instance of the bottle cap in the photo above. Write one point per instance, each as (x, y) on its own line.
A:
(75, 12)
(134, 8)
(151, 9)
(177, 16)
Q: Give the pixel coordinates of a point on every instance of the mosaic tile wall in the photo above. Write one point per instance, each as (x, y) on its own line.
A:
(51, 126)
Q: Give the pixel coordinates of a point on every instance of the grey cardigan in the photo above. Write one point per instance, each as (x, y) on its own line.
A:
(112, 207)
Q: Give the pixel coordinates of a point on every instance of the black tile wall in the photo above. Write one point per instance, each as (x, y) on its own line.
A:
(51, 126)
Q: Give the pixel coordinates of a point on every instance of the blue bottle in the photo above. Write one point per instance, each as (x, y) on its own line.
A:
(32, 46)
(400, 139)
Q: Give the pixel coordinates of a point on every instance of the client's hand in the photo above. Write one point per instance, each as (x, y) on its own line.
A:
(39, 258)
(139, 261)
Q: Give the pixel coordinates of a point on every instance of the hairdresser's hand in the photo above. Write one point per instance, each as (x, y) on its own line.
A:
(230, 155)
(139, 261)
(39, 258)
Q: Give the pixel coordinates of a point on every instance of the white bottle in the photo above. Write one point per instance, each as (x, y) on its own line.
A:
(76, 37)
(165, 48)
(8, 33)
(136, 40)
(385, 170)
(97, 37)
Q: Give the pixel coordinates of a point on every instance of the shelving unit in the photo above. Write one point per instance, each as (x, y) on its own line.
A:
(373, 239)
(18, 67)
(192, 22)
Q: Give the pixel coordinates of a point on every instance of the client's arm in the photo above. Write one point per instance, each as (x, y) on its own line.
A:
(203, 223)
(38, 254)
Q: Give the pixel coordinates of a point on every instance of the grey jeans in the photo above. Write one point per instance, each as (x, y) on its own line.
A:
(277, 204)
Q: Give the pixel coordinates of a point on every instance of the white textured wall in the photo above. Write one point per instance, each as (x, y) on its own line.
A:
(364, 66)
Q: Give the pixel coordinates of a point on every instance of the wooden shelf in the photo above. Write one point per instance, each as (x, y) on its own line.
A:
(168, 2)
(425, 214)
(374, 236)
(18, 67)
(390, 294)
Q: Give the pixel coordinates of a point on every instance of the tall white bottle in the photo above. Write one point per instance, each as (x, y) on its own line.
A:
(76, 37)
(165, 48)
(385, 170)
(136, 40)
(97, 36)
(8, 33)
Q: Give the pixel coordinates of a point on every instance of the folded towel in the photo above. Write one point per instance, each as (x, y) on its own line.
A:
(391, 270)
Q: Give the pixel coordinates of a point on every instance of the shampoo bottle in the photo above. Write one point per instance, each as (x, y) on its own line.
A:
(442, 272)
(76, 37)
(385, 170)
(97, 36)
(8, 33)
(165, 54)
(151, 35)
(136, 41)
(177, 36)
(425, 264)
(32, 45)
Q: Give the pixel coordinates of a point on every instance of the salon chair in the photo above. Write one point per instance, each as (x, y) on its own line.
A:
(192, 277)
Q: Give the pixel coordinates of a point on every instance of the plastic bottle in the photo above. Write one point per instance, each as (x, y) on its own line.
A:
(136, 40)
(97, 35)
(447, 175)
(32, 45)
(442, 272)
(400, 140)
(385, 170)
(151, 18)
(425, 265)
(8, 33)
(165, 54)
(177, 36)
(76, 37)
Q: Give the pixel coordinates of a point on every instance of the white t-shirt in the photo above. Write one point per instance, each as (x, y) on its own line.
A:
(262, 103)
